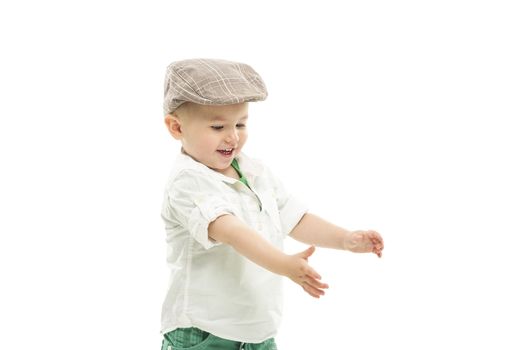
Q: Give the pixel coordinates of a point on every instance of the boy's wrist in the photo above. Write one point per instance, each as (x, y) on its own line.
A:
(281, 264)
(349, 241)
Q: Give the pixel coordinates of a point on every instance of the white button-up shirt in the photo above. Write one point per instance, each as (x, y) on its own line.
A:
(212, 286)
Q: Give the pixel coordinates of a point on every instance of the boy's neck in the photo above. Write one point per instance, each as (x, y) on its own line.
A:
(230, 172)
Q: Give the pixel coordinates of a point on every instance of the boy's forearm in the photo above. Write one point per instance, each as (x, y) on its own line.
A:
(316, 231)
(230, 230)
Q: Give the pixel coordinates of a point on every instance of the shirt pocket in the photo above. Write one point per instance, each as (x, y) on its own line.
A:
(270, 209)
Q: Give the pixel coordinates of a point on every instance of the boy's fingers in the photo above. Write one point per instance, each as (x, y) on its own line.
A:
(377, 242)
(377, 238)
(375, 235)
(315, 292)
(317, 284)
(311, 294)
(378, 252)
(312, 273)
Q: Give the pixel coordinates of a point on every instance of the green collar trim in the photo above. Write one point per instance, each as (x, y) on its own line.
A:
(242, 178)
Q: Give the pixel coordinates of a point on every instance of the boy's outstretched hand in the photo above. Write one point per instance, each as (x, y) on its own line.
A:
(364, 242)
(299, 271)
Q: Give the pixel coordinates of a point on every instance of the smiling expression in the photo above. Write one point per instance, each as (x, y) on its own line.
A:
(212, 135)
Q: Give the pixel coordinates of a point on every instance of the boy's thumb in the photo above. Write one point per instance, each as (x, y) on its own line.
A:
(308, 252)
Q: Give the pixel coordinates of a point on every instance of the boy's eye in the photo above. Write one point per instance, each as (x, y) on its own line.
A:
(219, 127)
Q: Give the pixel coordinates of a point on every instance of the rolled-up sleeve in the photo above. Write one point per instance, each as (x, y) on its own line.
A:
(291, 214)
(195, 202)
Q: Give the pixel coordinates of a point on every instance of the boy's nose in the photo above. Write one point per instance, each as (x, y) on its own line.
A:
(233, 137)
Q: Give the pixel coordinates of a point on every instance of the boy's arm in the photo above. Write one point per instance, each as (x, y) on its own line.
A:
(230, 230)
(314, 230)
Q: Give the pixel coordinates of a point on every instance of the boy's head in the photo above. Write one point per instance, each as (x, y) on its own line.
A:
(206, 107)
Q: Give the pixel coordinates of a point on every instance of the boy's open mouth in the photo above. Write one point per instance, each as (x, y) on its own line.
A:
(226, 151)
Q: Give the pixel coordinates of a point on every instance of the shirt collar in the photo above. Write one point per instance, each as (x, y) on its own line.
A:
(248, 166)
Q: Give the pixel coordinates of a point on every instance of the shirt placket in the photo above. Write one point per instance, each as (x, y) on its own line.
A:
(254, 205)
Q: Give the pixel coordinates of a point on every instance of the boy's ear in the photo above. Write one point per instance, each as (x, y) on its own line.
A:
(173, 123)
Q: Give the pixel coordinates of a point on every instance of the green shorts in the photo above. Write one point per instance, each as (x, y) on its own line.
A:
(196, 339)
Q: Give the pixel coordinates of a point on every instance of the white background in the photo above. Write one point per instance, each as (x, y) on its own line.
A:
(402, 116)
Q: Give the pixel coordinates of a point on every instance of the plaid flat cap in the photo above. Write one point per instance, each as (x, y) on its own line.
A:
(211, 82)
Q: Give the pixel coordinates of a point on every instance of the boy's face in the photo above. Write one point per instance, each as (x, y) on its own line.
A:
(212, 135)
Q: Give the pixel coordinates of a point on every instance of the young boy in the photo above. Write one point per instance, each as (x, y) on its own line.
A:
(226, 217)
